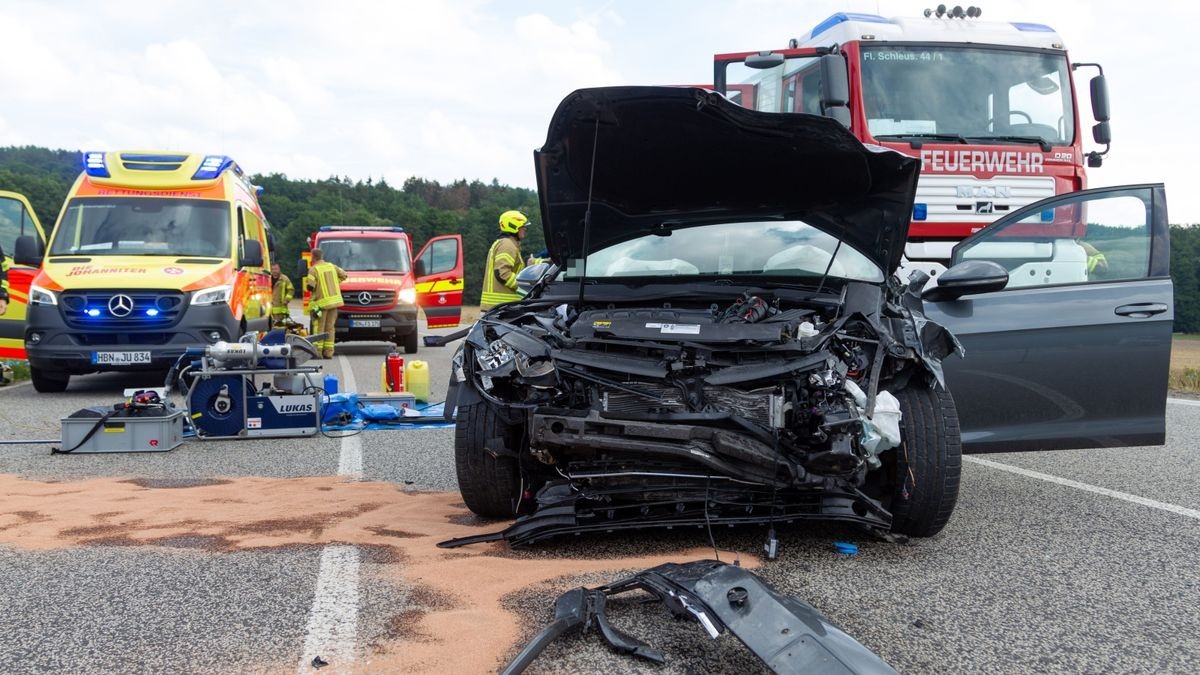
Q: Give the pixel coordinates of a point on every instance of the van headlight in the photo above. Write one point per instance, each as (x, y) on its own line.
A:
(41, 296)
(408, 296)
(213, 296)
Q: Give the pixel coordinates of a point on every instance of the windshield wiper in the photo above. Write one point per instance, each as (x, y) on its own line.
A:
(915, 139)
(1045, 144)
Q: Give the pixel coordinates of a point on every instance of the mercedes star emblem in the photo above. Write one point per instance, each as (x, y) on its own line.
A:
(364, 298)
(120, 305)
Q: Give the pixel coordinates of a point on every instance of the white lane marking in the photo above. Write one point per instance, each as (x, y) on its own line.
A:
(332, 630)
(350, 459)
(1184, 401)
(1163, 506)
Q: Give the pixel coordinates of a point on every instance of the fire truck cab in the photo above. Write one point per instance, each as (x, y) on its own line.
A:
(386, 284)
(989, 107)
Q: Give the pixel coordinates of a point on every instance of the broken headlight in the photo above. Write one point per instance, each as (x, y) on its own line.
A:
(498, 353)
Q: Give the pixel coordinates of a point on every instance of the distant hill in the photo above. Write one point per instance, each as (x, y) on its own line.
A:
(425, 208)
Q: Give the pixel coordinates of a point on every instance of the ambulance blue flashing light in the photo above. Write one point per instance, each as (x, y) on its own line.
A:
(212, 166)
(842, 17)
(152, 312)
(94, 165)
(93, 312)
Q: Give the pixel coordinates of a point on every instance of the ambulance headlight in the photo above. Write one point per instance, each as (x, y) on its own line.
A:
(408, 295)
(41, 296)
(213, 296)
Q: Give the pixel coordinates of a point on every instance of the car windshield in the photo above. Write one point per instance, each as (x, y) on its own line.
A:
(976, 93)
(777, 249)
(97, 226)
(366, 254)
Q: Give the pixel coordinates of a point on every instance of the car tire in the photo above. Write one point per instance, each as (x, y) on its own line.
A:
(410, 343)
(928, 463)
(48, 381)
(490, 485)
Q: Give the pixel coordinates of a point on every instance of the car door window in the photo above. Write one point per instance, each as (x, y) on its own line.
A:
(1080, 239)
(14, 222)
(440, 256)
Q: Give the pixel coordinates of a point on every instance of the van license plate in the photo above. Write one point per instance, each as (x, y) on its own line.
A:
(364, 323)
(120, 358)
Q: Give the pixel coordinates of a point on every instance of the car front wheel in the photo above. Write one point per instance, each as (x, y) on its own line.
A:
(928, 463)
(488, 479)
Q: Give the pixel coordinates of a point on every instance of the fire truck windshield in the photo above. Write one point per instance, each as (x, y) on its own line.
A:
(366, 254)
(977, 93)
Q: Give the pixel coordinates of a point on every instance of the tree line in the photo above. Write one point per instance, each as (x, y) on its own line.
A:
(426, 208)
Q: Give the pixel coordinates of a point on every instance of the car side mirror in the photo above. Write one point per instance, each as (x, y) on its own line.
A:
(418, 268)
(966, 278)
(27, 251)
(528, 277)
(302, 268)
(252, 254)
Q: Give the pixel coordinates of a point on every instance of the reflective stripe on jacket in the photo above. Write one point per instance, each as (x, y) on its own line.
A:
(500, 276)
(325, 279)
(282, 292)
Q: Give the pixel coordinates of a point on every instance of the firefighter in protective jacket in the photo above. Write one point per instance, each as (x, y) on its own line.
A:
(325, 279)
(282, 292)
(504, 262)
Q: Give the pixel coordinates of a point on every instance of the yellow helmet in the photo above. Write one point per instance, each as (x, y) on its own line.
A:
(512, 221)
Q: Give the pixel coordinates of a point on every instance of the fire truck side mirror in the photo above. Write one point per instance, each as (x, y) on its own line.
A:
(1102, 133)
(835, 88)
(1100, 100)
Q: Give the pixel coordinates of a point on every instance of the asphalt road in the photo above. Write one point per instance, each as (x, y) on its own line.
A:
(1030, 574)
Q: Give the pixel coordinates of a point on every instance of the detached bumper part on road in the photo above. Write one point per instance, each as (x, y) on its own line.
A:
(787, 634)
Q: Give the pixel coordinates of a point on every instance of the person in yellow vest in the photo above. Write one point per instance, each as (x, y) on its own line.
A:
(282, 292)
(325, 279)
(504, 262)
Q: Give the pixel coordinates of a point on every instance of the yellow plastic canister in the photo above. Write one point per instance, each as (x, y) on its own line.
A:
(416, 379)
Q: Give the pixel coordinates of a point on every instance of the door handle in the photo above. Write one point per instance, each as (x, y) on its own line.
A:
(1141, 310)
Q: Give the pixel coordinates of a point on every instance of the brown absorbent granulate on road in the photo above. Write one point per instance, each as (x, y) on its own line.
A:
(458, 592)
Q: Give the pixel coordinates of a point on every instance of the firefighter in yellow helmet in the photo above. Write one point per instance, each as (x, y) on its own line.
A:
(504, 261)
(325, 279)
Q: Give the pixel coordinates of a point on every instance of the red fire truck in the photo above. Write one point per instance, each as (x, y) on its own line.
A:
(386, 284)
(989, 107)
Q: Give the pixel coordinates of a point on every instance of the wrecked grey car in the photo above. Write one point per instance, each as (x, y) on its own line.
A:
(720, 338)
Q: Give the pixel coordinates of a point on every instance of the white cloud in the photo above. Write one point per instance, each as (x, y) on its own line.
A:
(464, 88)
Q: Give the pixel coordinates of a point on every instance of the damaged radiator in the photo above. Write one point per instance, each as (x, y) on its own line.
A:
(753, 405)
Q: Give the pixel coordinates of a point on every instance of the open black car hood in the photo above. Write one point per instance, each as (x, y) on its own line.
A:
(689, 157)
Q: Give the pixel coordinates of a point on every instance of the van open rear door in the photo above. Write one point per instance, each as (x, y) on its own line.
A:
(439, 280)
(16, 219)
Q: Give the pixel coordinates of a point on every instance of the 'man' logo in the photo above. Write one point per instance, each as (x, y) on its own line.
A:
(983, 191)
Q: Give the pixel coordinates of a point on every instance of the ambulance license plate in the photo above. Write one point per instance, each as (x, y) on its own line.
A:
(120, 358)
(364, 323)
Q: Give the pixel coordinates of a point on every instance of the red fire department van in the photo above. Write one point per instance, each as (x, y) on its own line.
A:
(990, 108)
(386, 283)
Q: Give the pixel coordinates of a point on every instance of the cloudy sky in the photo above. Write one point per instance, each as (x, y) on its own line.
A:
(464, 88)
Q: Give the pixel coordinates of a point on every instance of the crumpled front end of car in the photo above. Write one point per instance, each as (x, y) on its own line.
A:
(768, 407)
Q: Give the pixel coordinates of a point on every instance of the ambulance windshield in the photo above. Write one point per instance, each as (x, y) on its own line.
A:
(97, 226)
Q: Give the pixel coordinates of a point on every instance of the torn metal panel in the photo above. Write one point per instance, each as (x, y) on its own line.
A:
(787, 634)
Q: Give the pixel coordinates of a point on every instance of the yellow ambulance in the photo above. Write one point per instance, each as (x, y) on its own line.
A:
(153, 252)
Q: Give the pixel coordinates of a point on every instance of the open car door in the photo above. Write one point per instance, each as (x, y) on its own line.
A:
(439, 280)
(17, 219)
(1074, 351)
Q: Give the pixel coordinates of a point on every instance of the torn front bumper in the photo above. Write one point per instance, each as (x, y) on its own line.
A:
(787, 634)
